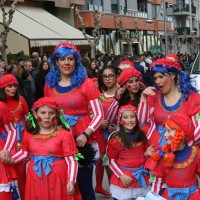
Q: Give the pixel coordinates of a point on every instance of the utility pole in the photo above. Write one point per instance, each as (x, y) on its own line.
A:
(165, 26)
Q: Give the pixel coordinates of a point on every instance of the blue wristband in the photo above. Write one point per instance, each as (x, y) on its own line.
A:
(86, 135)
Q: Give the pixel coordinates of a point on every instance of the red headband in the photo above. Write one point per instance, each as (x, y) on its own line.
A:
(125, 108)
(7, 79)
(166, 62)
(66, 45)
(127, 74)
(126, 64)
(172, 55)
(46, 101)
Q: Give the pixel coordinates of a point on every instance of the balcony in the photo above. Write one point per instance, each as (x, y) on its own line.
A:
(183, 30)
(181, 9)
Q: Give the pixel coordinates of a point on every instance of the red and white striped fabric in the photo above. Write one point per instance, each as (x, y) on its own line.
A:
(20, 155)
(157, 185)
(114, 167)
(112, 111)
(11, 136)
(98, 114)
(72, 168)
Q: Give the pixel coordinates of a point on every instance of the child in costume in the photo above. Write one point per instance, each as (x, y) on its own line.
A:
(176, 164)
(52, 169)
(7, 140)
(18, 109)
(126, 151)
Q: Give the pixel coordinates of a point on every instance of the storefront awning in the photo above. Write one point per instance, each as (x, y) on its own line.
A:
(42, 28)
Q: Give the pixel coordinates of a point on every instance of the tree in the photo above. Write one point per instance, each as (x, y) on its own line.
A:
(93, 42)
(7, 16)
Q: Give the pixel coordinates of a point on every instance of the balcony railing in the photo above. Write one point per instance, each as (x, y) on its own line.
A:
(183, 30)
(181, 7)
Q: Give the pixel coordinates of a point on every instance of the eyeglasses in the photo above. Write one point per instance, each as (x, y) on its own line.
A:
(110, 76)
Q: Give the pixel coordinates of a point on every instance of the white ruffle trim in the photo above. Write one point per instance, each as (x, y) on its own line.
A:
(5, 187)
(128, 193)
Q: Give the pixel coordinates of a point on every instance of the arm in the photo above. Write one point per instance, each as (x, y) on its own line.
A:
(196, 131)
(11, 136)
(72, 168)
(98, 115)
(20, 156)
(114, 167)
(157, 185)
(112, 111)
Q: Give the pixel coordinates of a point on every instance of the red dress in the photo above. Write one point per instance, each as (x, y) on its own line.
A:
(7, 172)
(155, 111)
(102, 142)
(59, 144)
(122, 158)
(19, 110)
(76, 102)
(182, 174)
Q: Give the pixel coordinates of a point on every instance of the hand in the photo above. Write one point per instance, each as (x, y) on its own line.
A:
(112, 127)
(4, 153)
(81, 140)
(126, 180)
(104, 124)
(119, 92)
(150, 150)
(8, 160)
(146, 92)
(70, 188)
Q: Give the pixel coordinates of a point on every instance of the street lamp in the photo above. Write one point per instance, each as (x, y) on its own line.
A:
(165, 27)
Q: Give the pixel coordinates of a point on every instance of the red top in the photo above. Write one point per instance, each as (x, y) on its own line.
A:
(78, 101)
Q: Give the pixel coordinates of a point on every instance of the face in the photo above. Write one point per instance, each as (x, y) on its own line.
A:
(164, 82)
(109, 78)
(45, 66)
(11, 90)
(133, 84)
(45, 116)
(66, 65)
(128, 120)
(169, 134)
(29, 66)
(93, 65)
(1, 70)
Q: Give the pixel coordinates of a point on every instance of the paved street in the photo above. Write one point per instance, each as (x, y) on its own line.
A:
(105, 185)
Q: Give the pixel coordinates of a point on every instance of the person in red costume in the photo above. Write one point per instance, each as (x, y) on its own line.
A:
(52, 170)
(18, 108)
(126, 151)
(109, 86)
(76, 94)
(173, 93)
(176, 164)
(7, 141)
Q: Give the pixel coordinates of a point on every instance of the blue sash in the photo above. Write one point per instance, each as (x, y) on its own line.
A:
(19, 129)
(161, 130)
(72, 119)
(181, 193)
(106, 134)
(45, 162)
(3, 136)
(138, 174)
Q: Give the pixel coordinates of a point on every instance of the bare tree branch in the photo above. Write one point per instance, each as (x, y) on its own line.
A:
(7, 15)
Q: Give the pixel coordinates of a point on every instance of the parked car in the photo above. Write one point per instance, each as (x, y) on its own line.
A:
(195, 72)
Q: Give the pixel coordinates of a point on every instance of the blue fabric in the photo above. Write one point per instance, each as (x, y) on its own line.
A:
(13, 189)
(19, 129)
(161, 130)
(3, 136)
(61, 89)
(106, 134)
(171, 108)
(72, 119)
(181, 193)
(138, 174)
(45, 162)
(183, 155)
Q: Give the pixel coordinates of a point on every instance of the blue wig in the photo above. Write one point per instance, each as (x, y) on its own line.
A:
(182, 79)
(79, 74)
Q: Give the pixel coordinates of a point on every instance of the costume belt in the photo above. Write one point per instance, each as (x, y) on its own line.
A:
(72, 119)
(139, 174)
(45, 162)
(161, 130)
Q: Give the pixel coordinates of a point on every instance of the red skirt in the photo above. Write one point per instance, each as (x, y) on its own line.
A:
(51, 186)
(7, 172)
